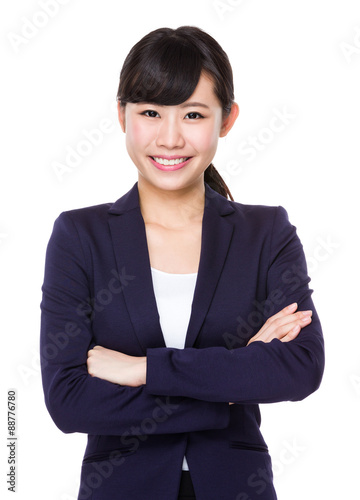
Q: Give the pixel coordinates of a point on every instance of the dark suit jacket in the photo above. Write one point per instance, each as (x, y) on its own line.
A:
(98, 290)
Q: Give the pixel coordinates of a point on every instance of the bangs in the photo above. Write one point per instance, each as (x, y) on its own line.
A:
(166, 73)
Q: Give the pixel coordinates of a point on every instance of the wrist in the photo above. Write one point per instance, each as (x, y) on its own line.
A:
(145, 368)
(142, 370)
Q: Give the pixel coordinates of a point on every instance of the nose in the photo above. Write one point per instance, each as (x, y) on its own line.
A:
(169, 134)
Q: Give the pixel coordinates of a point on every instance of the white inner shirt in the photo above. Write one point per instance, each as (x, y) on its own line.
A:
(174, 295)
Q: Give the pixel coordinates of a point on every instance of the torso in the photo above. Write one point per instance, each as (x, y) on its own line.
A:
(174, 250)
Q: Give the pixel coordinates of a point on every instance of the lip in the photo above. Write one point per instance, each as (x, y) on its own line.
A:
(170, 168)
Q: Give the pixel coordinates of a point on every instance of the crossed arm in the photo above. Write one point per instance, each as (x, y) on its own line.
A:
(119, 368)
(102, 391)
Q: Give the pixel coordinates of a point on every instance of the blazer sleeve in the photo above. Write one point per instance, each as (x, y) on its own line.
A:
(261, 372)
(76, 401)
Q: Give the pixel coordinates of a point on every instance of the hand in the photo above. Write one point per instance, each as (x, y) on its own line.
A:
(116, 367)
(285, 325)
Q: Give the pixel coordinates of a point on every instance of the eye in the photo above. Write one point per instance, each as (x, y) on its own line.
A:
(193, 115)
(150, 113)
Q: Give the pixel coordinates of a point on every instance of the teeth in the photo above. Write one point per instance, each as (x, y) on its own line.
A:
(162, 161)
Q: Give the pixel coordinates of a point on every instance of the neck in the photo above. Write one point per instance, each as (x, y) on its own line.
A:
(171, 208)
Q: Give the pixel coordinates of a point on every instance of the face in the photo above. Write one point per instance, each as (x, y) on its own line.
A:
(172, 146)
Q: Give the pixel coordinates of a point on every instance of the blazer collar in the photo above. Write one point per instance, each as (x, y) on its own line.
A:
(132, 257)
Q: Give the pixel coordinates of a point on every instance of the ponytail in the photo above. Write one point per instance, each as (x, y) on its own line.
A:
(216, 182)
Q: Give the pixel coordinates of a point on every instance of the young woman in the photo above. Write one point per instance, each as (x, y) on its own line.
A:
(169, 315)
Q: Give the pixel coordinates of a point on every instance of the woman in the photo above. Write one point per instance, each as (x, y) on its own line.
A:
(169, 315)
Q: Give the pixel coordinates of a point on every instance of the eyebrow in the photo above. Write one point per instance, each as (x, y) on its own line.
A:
(194, 104)
(183, 105)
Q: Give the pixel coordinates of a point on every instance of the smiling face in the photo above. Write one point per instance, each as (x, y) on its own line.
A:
(172, 146)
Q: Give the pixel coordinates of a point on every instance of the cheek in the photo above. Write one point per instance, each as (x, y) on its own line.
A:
(204, 139)
(137, 135)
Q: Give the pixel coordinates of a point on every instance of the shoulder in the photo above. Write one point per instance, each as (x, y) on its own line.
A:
(265, 223)
(254, 218)
(86, 214)
(81, 222)
(260, 215)
(241, 211)
(99, 214)
(268, 226)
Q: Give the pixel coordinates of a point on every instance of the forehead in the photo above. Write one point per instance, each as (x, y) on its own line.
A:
(203, 96)
(204, 91)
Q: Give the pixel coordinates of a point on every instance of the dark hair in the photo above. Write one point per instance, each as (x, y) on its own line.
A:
(165, 66)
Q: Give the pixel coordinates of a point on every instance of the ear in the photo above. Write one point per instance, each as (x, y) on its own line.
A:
(229, 120)
(121, 115)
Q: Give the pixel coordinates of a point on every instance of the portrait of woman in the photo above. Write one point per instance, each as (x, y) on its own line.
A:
(176, 310)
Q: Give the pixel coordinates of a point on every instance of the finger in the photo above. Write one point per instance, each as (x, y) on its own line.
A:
(288, 321)
(275, 321)
(290, 309)
(92, 351)
(282, 325)
(291, 331)
(292, 334)
(279, 325)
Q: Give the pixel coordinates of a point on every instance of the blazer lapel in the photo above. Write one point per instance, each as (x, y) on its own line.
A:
(132, 257)
(131, 252)
(216, 236)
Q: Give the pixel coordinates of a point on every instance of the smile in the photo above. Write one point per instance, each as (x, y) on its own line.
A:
(164, 161)
(170, 164)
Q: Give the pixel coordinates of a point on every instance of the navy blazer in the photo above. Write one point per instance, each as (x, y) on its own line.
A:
(98, 290)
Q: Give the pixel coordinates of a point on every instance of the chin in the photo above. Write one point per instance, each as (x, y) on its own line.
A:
(172, 184)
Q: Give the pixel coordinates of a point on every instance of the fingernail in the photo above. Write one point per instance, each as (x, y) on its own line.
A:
(296, 328)
(307, 318)
(306, 313)
(293, 307)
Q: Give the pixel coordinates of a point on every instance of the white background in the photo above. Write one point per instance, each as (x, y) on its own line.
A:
(60, 76)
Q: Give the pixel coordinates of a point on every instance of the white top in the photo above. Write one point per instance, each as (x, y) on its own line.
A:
(174, 295)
